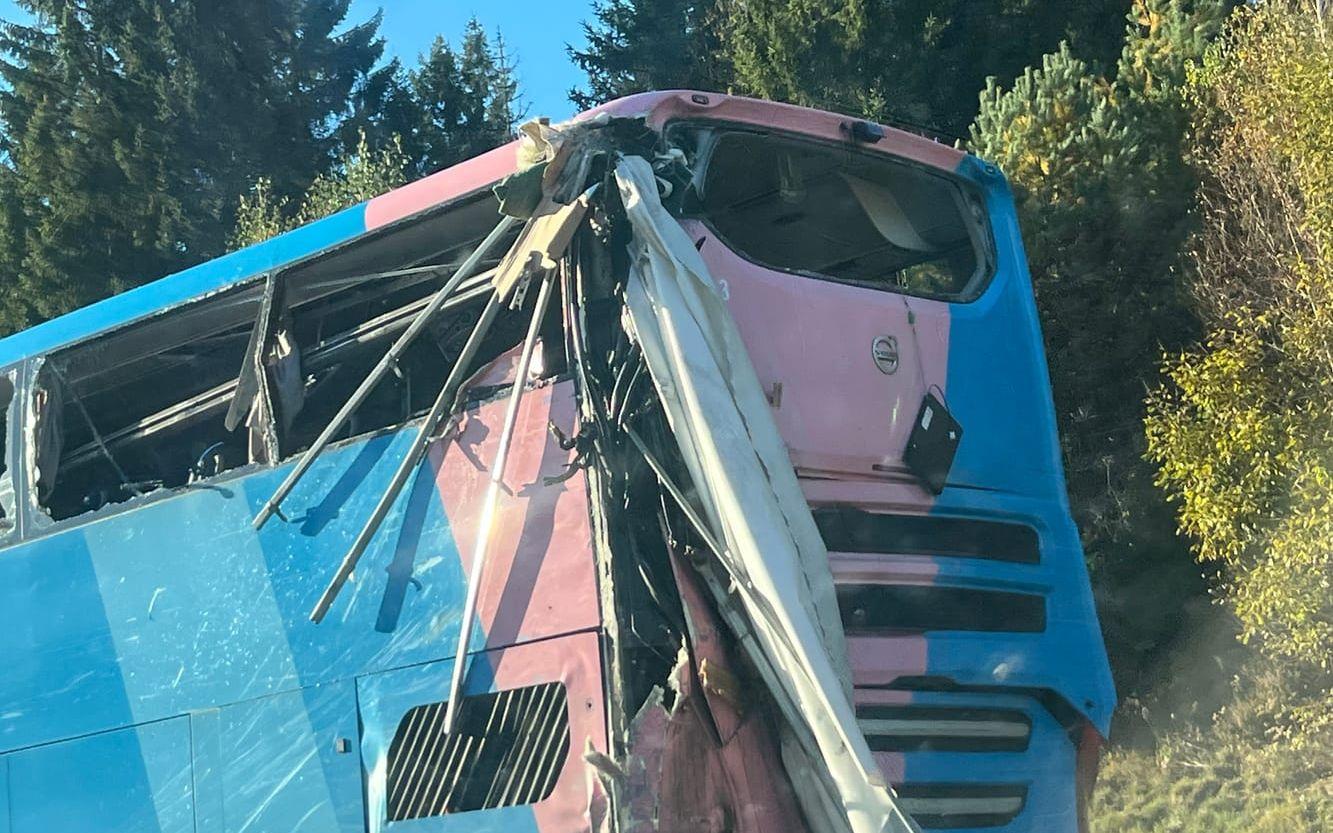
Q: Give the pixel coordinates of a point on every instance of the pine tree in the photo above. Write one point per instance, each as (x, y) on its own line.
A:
(914, 61)
(638, 45)
(1105, 197)
(466, 98)
(455, 104)
(131, 127)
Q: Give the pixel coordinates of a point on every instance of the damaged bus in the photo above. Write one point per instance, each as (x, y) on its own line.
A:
(690, 466)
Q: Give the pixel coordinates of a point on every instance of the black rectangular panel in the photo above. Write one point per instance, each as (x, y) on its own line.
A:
(870, 608)
(847, 529)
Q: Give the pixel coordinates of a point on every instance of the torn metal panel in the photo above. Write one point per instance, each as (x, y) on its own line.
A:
(564, 152)
(771, 546)
(739, 738)
(46, 407)
(541, 244)
(700, 758)
(270, 389)
(251, 379)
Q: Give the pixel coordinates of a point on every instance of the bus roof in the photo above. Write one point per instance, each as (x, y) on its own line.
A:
(467, 177)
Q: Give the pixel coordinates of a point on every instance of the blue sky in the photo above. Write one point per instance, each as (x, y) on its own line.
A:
(536, 33)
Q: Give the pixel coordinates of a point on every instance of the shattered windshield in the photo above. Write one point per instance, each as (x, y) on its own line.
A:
(830, 211)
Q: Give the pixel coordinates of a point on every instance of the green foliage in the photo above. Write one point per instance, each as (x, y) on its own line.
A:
(130, 127)
(365, 173)
(1105, 198)
(1241, 427)
(638, 45)
(130, 130)
(918, 61)
(1240, 772)
(1216, 789)
(466, 101)
(455, 104)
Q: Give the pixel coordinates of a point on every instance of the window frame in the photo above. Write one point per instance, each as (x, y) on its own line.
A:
(979, 225)
(15, 454)
(33, 519)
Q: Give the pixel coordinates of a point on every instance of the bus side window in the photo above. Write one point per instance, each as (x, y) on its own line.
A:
(252, 374)
(138, 410)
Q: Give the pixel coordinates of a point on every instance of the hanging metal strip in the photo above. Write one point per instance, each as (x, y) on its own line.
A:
(385, 364)
(488, 507)
(443, 403)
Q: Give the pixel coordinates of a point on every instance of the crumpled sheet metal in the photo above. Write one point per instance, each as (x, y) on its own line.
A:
(712, 762)
(567, 149)
(753, 502)
(565, 153)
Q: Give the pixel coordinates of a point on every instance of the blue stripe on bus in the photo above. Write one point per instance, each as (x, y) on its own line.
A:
(997, 377)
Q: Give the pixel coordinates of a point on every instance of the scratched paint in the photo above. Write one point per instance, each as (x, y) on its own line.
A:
(177, 607)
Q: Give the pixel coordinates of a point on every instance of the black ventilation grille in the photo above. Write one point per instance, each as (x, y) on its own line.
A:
(951, 806)
(870, 608)
(846, 529)
(944, 729)
(507, 749)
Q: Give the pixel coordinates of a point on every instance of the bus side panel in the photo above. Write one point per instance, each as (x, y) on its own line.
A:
(1002, 382)
(286, 762)
(999, 388)
(176, 607)
(385, 700)
(136, 780)
(4, 795)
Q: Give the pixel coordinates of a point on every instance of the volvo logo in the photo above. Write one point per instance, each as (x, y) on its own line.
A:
(884, 350)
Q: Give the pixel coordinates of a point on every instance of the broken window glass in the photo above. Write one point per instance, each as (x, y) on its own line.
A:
(126, 414)
(835, 212)
(8, 506)
(253, 374)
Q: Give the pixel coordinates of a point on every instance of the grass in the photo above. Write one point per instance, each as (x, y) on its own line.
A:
(1213, 786)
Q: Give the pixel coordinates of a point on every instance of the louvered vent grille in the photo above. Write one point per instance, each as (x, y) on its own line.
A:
(881, 609)
(508, 749)
(954, 806)
(943, 729)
